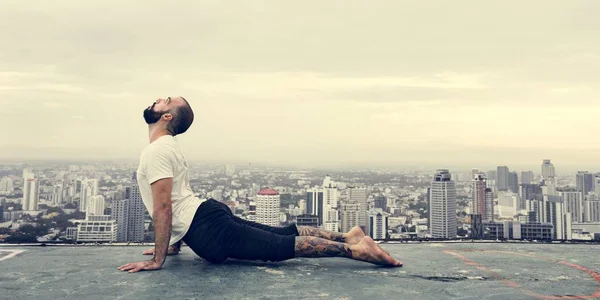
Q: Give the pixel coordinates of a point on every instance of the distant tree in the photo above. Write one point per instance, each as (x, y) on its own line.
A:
(43, 206)
(70, 206)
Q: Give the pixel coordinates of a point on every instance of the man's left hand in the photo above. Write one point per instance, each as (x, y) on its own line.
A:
(149, 265)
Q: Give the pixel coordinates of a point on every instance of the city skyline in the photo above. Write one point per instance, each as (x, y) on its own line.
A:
(354, 83)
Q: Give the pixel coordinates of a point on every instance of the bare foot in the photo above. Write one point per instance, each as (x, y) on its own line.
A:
(354, 236)
(367, 250)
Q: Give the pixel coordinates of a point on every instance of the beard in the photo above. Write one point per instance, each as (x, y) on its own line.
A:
(151, 116)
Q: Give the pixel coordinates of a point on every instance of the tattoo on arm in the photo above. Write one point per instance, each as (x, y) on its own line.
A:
(313, 231)
(310, 246)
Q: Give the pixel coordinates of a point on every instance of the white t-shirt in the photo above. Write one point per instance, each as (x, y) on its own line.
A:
(163, 159)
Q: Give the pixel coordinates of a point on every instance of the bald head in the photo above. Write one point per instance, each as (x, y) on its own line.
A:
(183, 116)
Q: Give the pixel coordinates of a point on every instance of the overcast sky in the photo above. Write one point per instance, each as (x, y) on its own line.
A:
(311, 83)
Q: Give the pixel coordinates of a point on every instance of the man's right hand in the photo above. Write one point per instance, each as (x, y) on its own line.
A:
(172, 251)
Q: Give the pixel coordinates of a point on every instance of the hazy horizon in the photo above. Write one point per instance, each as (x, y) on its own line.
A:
(310, 83)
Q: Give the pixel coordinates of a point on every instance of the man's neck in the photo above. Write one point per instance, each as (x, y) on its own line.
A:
(156, 133)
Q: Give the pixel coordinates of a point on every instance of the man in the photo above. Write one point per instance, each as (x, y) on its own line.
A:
(208, 227)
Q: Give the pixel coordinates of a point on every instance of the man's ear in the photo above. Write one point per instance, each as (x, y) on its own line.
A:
(168, 116)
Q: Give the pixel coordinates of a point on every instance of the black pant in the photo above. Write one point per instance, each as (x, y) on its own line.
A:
(216, 234)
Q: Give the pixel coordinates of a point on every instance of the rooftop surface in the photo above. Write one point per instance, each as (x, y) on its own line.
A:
(431, 271)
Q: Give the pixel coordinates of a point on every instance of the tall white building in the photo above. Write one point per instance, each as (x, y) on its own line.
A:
(267, 207)
(378, 224)
(96, 206)
(573, 201)
(442, 211)
(6, 185)
(31, 194)
(350, 211)
(359, 195)
(592, 208)
(331, 199)
(89, 188)
(553, 210)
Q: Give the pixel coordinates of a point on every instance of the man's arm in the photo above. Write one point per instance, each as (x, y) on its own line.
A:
(162, 216)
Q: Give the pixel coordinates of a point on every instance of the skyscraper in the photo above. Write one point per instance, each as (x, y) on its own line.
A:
(359, 195)
(573, 200)
(350, 215)
(526, 177)
(482, 198)
(585, 182)
(6, 185)
(378, 224)
(592, 208)
(443, 205)
(95, 206)
(502, 182)
(136, 212)
(513, 182)
(31, 194)
(314, 204)
(492, 175)
(120, 213)
(267, 207)
(331, 198)
(548, 169)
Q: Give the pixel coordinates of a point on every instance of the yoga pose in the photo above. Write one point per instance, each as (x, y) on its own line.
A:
(209, 227)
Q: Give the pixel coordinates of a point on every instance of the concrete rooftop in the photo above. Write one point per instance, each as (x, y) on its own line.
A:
(431, 271)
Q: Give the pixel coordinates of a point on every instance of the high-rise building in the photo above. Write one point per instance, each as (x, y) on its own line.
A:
(482, 198)
(87, 189)
(585, 182)
(359, 195)
(267, 207)
(120, 213)
(96, 206)
(526, 177)
(513, 182)
(380, 202)
(6, 185)
(31, 194)
(597, 184)
(378, 224)
(592, 208)
(442, 210)
(350, 215)
(502, 182)
(530, 192)
(548, 169)
(314, 204)
(573, 201)
(136, 213)
(492, 175)
(553, 210)
(331, 198)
